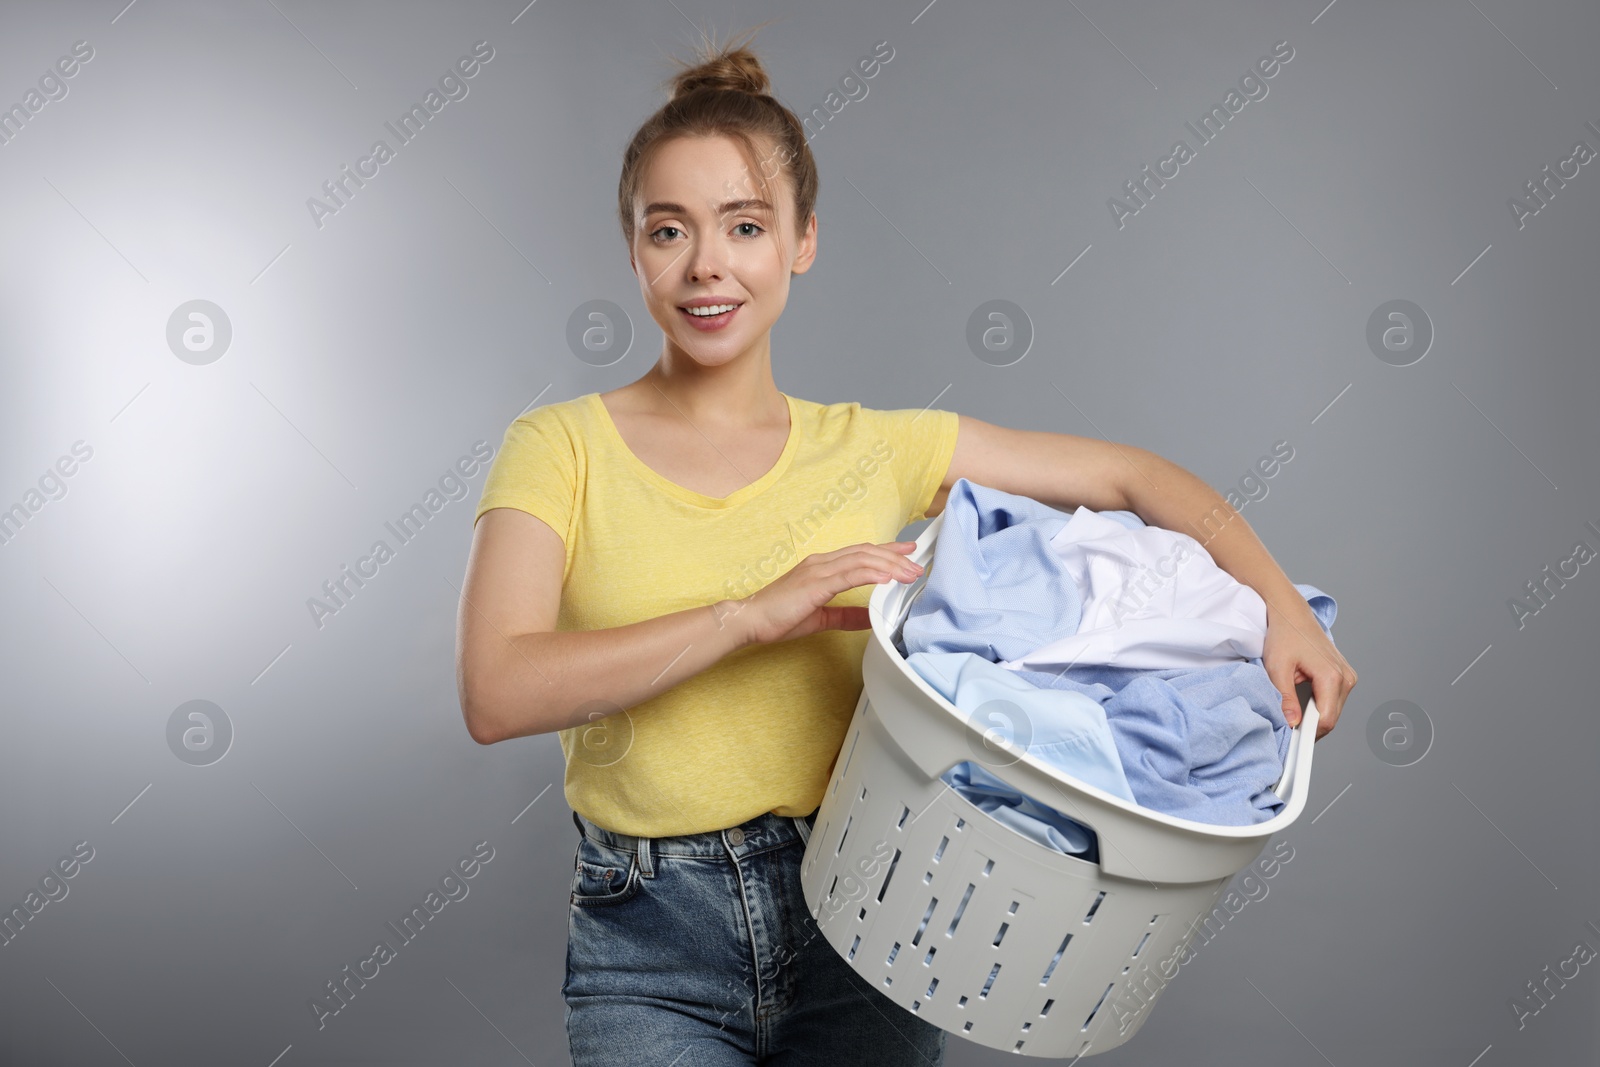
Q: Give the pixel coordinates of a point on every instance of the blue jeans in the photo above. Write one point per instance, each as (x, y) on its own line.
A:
(699, 951)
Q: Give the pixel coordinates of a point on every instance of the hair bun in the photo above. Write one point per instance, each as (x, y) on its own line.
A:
(731, 67)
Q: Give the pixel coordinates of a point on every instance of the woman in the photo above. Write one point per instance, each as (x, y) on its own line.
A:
(674, 575)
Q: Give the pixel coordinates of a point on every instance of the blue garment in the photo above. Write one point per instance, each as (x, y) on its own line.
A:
(1022, 813)
(1066, 729)
(1205, 743)
(995, 587)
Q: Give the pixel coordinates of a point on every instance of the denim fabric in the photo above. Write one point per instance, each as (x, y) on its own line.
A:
(699, 951)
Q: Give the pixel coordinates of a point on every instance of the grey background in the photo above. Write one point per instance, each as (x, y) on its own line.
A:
(368, 355)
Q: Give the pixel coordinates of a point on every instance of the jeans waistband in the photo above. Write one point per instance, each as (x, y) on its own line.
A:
(756, 834)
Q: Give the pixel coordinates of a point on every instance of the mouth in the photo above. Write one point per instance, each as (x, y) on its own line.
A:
(711, 322)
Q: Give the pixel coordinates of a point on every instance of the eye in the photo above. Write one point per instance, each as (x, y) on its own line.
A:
(673, 228)
(751, 224)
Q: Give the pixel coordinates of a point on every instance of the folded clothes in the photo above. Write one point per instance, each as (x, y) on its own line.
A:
(1197, 725)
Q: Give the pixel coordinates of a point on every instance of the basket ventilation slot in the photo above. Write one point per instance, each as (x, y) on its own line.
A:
(892, 861)
(1097, 1004)
(961, 907)
(916, 938)
(983, 994)
(1048, 971)
(847, 757)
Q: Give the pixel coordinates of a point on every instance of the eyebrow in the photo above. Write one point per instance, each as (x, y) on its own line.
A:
(732, 207)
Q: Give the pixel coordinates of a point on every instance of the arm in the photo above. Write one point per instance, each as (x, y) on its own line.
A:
(1064, 471)
(516, 675)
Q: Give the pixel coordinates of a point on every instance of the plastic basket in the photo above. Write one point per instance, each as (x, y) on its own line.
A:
(976, 928)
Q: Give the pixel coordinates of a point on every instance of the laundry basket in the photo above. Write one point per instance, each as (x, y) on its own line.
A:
(973, 926)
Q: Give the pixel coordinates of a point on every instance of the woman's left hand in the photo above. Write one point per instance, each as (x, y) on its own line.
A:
(1295, 649)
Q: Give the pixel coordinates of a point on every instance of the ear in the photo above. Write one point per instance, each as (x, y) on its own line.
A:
(808, 247)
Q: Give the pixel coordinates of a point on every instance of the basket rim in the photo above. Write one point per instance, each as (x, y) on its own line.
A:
(1296, 767)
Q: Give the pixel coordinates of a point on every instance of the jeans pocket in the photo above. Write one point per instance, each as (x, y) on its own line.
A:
(602, 875)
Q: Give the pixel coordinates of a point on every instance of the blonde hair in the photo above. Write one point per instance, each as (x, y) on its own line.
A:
(725, 93)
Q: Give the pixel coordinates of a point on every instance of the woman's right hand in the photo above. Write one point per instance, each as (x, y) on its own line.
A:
(795, 603)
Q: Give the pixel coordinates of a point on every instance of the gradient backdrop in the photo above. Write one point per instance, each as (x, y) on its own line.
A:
(215, 397)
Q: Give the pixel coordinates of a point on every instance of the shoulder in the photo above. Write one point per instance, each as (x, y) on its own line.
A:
(561, 431)
(574, 412)
(847, 418)
(842, 415)
(571, 421)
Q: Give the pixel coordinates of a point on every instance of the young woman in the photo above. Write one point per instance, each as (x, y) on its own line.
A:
(674, 575)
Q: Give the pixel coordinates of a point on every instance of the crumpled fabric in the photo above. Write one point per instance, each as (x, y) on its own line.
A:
(1205, 743)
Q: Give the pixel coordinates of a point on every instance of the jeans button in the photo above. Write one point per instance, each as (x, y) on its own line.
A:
(736, 836)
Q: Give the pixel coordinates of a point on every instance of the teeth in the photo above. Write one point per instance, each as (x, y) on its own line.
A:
(713, 309)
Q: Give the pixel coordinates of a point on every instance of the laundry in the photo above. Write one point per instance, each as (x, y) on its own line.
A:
(1033, 588)
(1201, 743)
(1064, 728)
(1026, 816)
(1197, 724)
(995, 586)
(1151, 598)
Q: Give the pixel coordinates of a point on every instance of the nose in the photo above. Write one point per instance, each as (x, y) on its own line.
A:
(704, 266)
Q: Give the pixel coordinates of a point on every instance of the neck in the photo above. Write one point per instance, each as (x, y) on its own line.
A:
(740, 392)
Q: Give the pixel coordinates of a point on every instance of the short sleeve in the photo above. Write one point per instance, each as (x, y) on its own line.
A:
(536, 471)
(924, 441)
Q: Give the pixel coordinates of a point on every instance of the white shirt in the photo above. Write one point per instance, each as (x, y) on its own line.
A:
(1153, 599)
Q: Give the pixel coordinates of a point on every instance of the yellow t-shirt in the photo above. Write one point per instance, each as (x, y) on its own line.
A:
(758, 730)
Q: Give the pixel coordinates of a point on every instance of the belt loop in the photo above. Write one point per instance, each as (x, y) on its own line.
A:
(647, 865)
(579, 824)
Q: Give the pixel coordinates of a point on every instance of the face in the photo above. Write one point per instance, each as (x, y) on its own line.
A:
(704, 244)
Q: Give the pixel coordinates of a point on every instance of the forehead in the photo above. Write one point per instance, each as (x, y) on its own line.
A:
(700, 173)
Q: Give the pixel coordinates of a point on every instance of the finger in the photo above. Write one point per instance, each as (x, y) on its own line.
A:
(1282, 678)
(1328, 691)
(889, 549)
(873, 567)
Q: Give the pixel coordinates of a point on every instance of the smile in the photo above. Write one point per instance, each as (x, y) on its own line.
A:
(713, 317)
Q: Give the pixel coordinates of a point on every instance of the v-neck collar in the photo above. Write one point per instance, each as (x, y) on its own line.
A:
(733, 499)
